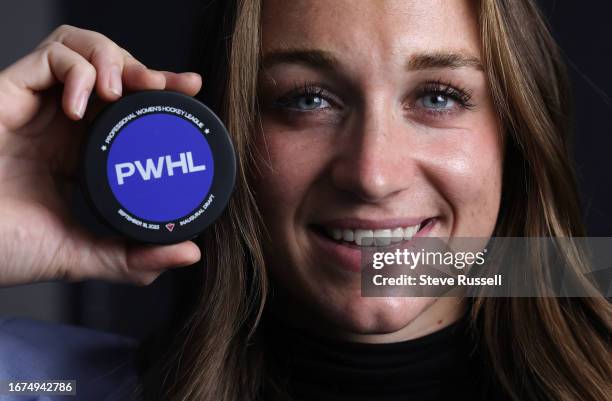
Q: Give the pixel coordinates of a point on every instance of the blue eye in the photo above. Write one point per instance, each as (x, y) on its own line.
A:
(442, 97)
(437, 101)
(307, 102)
(307, 97)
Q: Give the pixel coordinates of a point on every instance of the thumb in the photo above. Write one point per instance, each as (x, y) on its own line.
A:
(119, 261)
(158, 257)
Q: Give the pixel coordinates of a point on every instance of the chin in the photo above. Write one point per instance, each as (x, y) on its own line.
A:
(375, 315)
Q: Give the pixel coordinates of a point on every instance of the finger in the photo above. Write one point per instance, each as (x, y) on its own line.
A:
(129, 58)
(46, 66)
(151, 258)
(113, 65)
(108, 58)
(146, 263)
(137, 77)
(188, 83)
(141, 78)
(111, 62)
(115, 260)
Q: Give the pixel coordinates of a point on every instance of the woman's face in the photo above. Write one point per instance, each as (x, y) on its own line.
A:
(375, 115)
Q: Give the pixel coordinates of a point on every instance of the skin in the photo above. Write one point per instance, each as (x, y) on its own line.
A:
(374, 146)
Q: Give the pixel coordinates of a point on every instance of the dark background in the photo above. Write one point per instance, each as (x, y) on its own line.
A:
(163, 35)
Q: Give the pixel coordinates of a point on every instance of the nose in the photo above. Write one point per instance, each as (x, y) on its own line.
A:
(374, 159)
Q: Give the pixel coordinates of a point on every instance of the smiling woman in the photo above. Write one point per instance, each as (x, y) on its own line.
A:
(362, 123)
(355, 124)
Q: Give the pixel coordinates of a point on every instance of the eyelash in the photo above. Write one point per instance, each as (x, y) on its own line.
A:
(462, 96)
(438, 87)
(309, 88)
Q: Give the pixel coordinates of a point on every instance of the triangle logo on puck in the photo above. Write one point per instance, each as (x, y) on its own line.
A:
(170, 226)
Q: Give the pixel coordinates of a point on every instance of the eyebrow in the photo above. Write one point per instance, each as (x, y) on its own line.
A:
(325, 60)
(425, 61)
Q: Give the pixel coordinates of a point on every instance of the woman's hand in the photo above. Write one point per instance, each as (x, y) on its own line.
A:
(41, 130)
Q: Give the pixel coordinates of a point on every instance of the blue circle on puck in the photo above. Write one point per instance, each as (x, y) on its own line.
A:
(160, 159)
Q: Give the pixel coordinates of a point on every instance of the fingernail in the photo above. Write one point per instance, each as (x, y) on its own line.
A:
(81, 104)
(114, 83)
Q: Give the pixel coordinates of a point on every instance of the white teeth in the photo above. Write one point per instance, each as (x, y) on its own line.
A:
(382, 237)
(364, 237)
(348, 235)
(379, 237)
(410, 231)
(397, 235)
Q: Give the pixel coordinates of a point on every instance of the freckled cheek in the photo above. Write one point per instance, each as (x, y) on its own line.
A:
(468, 173)
(288, 168)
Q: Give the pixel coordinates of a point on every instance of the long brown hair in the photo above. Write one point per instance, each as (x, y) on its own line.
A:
(538, 348)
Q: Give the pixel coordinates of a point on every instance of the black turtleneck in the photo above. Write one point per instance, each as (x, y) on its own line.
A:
(440, 366)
